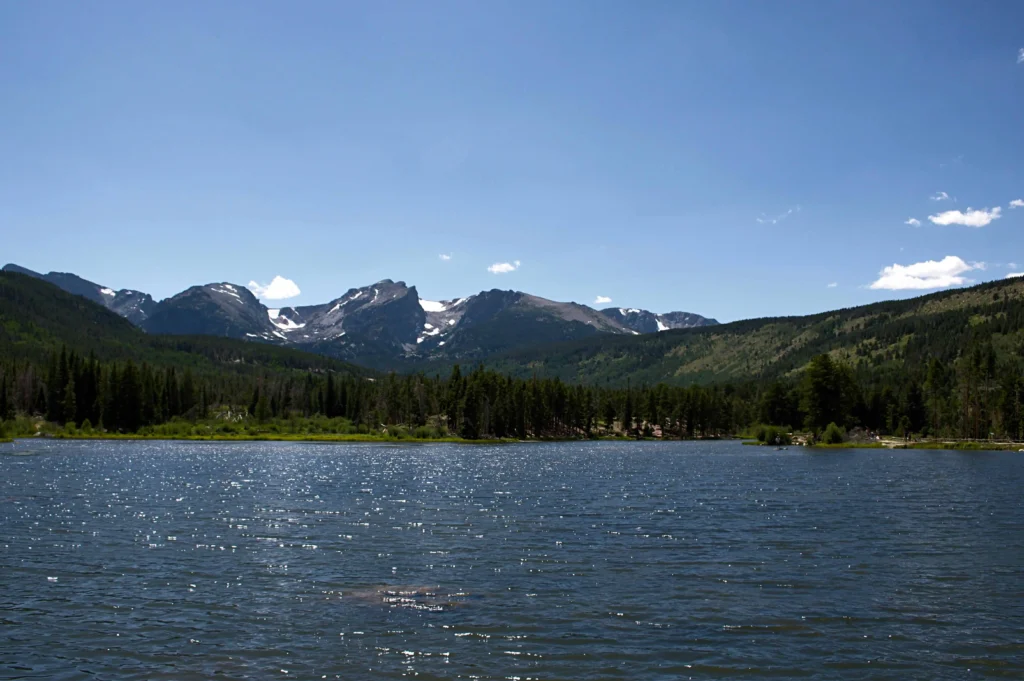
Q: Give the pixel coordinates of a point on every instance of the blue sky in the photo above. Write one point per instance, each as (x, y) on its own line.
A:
(732, 159)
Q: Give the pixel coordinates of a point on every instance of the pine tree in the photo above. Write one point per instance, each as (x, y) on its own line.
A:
(6, 400)
(262, 408)
(627, 412)
(255, 400)
(54, 391)
(472, 416)
(130, 399)
(330, 397)
(70, 407)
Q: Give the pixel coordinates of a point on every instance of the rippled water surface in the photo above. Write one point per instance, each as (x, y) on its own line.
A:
(532, 561)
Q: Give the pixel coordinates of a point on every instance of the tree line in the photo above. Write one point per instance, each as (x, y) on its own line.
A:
(125, 397)
(977, 396)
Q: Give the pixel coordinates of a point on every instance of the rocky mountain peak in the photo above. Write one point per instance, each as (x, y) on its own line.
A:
(385, 324)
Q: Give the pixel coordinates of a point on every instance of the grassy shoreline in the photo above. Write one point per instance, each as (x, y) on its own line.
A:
(323, 438)
(947, 445)
(268, 437)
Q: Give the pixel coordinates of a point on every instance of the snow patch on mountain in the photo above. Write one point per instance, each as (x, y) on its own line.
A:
(432, 306)
(281, 322)
(227, 289)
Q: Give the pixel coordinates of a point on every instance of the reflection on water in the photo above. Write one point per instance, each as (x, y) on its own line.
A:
(534, 561)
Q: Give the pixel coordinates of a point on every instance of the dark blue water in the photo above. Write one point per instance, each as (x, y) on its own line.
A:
(534, 561)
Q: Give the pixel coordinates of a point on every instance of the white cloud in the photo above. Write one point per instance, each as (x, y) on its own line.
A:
(765, 220)
(1014, 275)
(1017, 203)
(503, 267)
(941, 196)
(925, 275)
(972, 218)
(1020, 56)
(600, 300)
(913, 222)
(833, 284)
(278, 289)
(445, 256)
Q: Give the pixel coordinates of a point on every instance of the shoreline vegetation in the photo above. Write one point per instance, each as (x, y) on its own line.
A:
(316, 429)
(76, 397)
(267, 437)
(937, 444)
(405, 438)
(965, 446)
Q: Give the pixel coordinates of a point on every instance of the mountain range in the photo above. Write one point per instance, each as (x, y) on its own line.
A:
(885, 344)
(385, 325)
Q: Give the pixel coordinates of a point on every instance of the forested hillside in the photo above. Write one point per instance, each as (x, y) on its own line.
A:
(894, 336)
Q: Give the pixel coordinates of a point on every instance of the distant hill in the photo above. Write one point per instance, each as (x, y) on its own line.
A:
(880, 336)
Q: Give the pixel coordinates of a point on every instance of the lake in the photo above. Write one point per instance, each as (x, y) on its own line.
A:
(606, 560)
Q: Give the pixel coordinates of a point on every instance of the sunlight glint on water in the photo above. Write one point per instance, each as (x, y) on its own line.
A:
(535, 561)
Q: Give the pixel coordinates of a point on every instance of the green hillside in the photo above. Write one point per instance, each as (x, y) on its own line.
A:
(880, 337)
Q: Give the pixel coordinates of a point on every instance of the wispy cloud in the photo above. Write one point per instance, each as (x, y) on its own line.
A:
(278, 289)
(971, 218)
(833, 284)
(1020, 56)
(600, 300)
(1014, 275)
(1017, 203)
(913, 222)
(925, 275)
(953, 162)
(765, 220)
(445, 256)
(504, 267)
(941, 196)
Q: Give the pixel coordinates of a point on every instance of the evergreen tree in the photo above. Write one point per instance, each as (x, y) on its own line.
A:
(129, 399)
(627, 412)
(70, 406)
(262, 410)
(6, 400)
